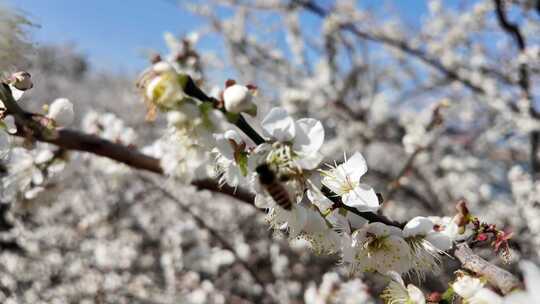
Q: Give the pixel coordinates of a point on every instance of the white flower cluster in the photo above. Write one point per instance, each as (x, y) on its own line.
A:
(28, 171)
(110, 127)
(334, 290)
(281, 169)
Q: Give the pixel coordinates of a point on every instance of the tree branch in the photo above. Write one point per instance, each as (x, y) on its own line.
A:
(78, 141)
(524, 81)
(496, 276)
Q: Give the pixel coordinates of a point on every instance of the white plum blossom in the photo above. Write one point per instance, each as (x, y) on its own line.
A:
(467, 286)
(426, 245)
(61, 111)
(27, 171)
(397, 293)
(296, 143)
(163, 86)
(447, 226)
(376, 248)
(232, 159)
(19, 83)
(186, 146)
(305, 222)
(238, 98)
(344, 180)
(472, 290)
(425, 228)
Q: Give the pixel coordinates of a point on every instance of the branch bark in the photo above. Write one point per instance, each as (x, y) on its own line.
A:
(496, 276)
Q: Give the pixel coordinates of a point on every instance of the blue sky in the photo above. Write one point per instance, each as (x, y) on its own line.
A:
(113, 34)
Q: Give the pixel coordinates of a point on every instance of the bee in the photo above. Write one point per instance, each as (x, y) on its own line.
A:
(273, 186)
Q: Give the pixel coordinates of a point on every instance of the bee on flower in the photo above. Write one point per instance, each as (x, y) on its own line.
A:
(292, 150)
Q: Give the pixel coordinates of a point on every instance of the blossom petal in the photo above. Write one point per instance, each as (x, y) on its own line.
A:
(279, 125)
(355, 166)
(467, 286)
(224, 146)
(439, 240)
(309, 136)
(363, 198)
(418, 226)
(415, 294)
(393, 256)
(263, 202)
(310, 161)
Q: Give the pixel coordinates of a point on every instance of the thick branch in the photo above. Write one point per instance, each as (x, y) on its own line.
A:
(496, 276)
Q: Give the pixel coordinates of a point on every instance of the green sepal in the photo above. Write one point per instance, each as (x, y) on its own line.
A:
(232, 117)
(242, 161)
(448, 296)
(206, 109)
(183, 80)
(252, 111)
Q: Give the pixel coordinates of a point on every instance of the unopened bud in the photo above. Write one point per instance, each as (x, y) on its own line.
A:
(434, 297)
(21, 81)
(61, 111)
(463, 217)
(482, 237)
(155, 58)
(239, 98)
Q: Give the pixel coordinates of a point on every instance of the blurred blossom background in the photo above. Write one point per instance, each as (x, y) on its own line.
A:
(431, 92)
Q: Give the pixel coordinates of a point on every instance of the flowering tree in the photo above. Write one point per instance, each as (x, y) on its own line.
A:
(444, 115)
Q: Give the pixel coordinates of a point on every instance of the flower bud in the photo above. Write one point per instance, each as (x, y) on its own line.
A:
(21, 81)
(163, 86)
(239, 98)
(61, 111)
